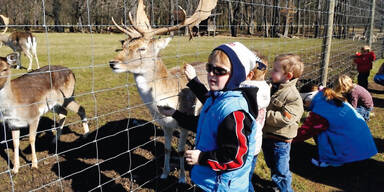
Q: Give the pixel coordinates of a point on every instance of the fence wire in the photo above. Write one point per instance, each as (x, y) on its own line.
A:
(125, 147)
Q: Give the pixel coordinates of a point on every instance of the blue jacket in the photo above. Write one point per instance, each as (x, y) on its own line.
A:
(348, 137)
(215, 109)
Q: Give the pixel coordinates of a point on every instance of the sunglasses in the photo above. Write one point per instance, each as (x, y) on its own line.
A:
(218, 71)
(261, 66)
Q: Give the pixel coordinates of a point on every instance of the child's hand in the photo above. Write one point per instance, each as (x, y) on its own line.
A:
(192, 157)
(166, 110)
(189, 71)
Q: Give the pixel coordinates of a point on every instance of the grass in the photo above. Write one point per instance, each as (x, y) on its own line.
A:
(110, 98)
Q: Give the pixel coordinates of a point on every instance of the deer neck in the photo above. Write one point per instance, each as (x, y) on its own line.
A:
(5, 92)
(4, 38)
(146, 82)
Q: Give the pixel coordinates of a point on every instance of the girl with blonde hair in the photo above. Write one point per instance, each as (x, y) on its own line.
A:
(356, 95)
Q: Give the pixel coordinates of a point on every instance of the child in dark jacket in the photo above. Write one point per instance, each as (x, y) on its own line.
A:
(364, 61)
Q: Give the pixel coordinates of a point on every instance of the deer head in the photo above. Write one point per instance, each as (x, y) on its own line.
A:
(6, 22)
(140, 47)
(5, 67)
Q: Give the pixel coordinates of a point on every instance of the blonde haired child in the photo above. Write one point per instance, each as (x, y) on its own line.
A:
(283, 116)
(356, 95)
(256, 78)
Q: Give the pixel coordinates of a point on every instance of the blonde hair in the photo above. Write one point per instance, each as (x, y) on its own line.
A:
(345, 84)
(291, 63)
(331, 95)
(259, 74)
(366, 48)
(221, 57)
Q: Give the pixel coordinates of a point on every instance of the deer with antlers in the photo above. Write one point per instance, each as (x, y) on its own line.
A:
(25, 99)
(155, 83)
(20, 41)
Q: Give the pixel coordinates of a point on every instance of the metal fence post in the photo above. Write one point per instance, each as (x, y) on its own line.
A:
(372, 23)
(326, 49)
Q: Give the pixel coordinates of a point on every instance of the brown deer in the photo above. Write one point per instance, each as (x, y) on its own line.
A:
(20, 41)
(157, 85)
(25, 99)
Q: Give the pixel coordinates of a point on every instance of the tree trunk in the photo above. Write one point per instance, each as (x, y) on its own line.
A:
(318, 20)
(275, 18)
(265, 19)
(287, 17)
(298, 17)
(56, 15)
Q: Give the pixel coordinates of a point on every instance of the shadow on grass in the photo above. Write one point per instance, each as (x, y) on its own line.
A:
(127, 159)
(379, 145)
(378, 102)
(365, 175)
(133, 155)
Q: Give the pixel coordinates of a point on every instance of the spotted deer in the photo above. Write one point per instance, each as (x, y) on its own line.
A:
(20, 41)
(155, 83)
(25, 99)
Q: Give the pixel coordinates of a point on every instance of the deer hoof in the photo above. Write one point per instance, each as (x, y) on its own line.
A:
(34, 165)
(15, 170)
(85, 135)
(164, 176)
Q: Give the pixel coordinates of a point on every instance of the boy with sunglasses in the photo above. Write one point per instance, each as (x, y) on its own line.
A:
(255, 78)
(226, 127)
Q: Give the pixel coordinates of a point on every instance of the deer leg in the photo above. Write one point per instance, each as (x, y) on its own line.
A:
(167, 149)
(34, 52)
(37, 60)
(32, 139)
(181, 151)
(18, 66)
(29, 55)
(16, 144)
(62, 115)
(75, 107)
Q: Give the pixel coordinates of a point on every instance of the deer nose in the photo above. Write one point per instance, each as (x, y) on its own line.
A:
(112, 63)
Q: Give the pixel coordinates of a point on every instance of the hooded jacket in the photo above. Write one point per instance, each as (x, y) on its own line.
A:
(347, 138)
(226, 128)
(364, 61)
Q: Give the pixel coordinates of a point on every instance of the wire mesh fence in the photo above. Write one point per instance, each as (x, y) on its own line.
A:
(124, 150)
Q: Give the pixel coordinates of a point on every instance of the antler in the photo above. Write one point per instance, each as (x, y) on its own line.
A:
(203, 11)
(142, 26)
(6, 22)
(132, 33)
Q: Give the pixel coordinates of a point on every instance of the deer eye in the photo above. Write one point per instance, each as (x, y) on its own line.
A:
(141, 49)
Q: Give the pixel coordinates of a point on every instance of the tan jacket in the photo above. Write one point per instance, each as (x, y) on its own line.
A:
(284, 112)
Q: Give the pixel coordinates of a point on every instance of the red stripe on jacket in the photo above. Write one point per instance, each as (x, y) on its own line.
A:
(242, 148)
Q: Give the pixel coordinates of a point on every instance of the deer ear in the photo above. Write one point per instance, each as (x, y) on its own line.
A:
(162, 43)
(12, 58)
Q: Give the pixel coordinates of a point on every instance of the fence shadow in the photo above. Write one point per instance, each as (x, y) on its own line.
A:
(359, 176)
(378, 102)
(133, 154)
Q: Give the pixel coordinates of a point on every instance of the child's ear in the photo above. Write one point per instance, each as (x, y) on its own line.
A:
(289, 75)
(250, 75)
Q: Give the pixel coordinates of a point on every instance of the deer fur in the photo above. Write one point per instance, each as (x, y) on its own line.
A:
(155, 83)
(25, 99)
(21, 41)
